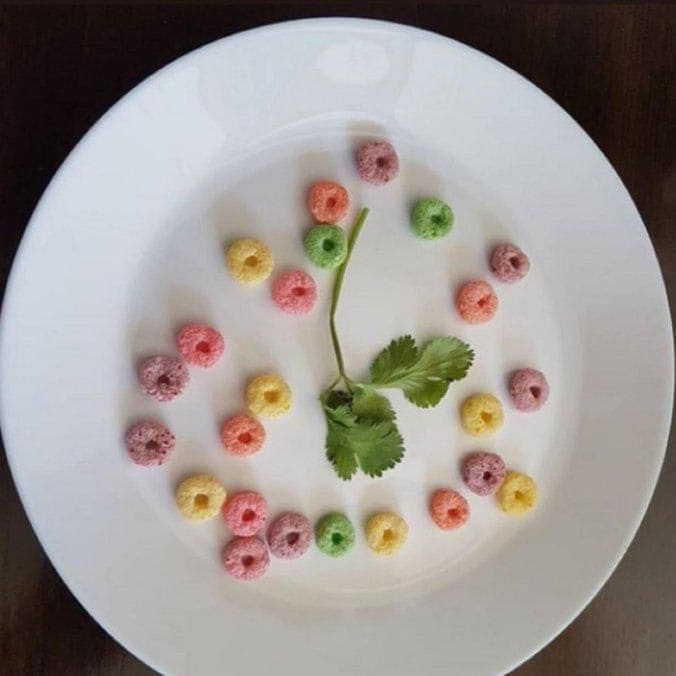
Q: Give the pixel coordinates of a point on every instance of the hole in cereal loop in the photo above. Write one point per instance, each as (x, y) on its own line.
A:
(336, 538)
(298, 291)
(251, 261)
(328, 245)
(453, 514)
(387, 535)
(163, 380)
(247, 561)
(248, 515)
(201, 500)
(292, 538)
(518, 495)
(203, 347)
(244, 438)
(331, 202)
(381, 161)
(535, 391)
(487, 417)
(514, 261)
(271, 396)
(152, 445)
(487, 476)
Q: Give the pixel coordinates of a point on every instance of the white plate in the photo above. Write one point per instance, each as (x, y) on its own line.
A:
(127, 243)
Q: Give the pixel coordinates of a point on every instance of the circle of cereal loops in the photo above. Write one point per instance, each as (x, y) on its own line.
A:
(386, 533)
(483, 472)
(199, 345)
(326, 246)
(163, 378)
(245, 513)
(269, 396)
(518, 493)
(249, 261)
(245, 558)
(294, 292)
(508, 263)
(377, 162)
(289, 536)
(328, 202)
(199, 497)
(476, 302)
(431, 218)
(149, 443)
(528, 390)
(334, 535)
(242, 435)
(448, 509)
(481, 414)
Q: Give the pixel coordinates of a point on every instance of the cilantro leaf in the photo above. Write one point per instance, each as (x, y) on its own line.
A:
(422, 374)
(378, 446)
(370, 406)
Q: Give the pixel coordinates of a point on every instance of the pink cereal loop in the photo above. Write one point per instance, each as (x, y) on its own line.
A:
(242, 435)
(245, 513)
(200, 345)
(245, 558)
(476, 301)
(294, 292)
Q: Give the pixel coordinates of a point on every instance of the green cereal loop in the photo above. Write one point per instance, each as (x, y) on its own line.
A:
(334, 534)
(326, 246)
(431, 218)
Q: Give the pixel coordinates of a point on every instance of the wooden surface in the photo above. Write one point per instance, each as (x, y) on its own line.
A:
(612, 67)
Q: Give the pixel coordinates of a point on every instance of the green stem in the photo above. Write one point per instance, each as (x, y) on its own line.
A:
(337, 286)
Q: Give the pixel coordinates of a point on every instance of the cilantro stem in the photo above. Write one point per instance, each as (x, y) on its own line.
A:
(337, 286)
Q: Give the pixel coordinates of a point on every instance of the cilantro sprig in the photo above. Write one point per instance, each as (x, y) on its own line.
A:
(361, 424)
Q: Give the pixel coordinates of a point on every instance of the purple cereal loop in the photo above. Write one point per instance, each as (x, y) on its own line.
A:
(289, 536)
(163, 378)
(483, 472)
(377, 162)
(509, 263)
(149, 443)
(528, 390)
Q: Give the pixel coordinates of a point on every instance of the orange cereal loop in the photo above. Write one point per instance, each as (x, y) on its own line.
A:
(242, 435)
(448, 509)
(328, 202)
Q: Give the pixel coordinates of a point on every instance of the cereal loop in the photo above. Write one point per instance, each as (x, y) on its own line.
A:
(199, 497)
(242, 435)
(528, 390)
(294, 292)
(431, 218)
(476, 302)
(268, 396)
(199, 345)
(326, 246)
(245, 513)
(249, 261)
(334, 535)
(377, 162)
(508, 263)
(386, 533)
(328, 202)
(149, 443)
(483, 472)
(289, 536)
(518, 494)
(481, 414)
(245, 558)
(448, 509)
(163, 378)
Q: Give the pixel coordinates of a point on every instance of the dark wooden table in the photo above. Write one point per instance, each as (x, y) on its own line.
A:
(612, 67)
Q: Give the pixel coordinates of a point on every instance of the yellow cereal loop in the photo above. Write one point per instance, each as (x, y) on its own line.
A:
(249, 261)
(386, 533)
(268, 396)
(200, 497)
(517, 494)
(481, 414)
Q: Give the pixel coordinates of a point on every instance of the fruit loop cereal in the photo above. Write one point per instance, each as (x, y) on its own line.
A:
(448, 509)
(334, 535)
(149, 443)
(518, 493)
(431, 218)
(528, 390)
(508, 263)
(483, 472)
(328, 202)
(245, 558)
(289, 536)
(326, 246)
(245, 513)
(377, 162)
(294, 292)
(163, 378)
(199, 497)
(242, 435)
(476, 302)
(386, 533)
(268, 396)
(199, 345)
(481, 414)
(249, 261)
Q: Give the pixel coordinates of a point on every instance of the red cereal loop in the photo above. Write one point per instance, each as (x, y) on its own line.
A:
(199, 345)
(476, 302)
(328, 202)
(245, 513)
(245, 558)
(163, 378)
(294, 292)
(448, 509)
(149, 443)
(242, 435)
